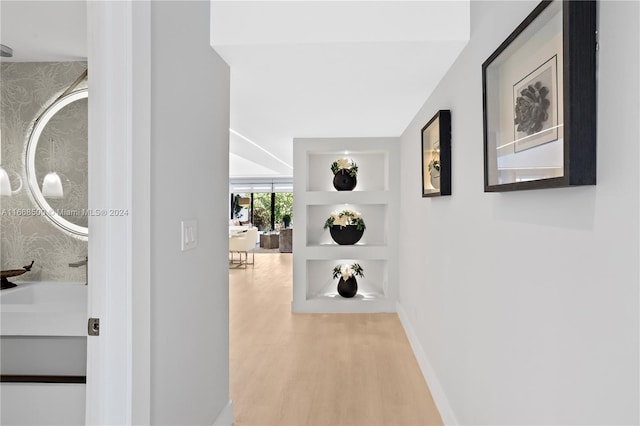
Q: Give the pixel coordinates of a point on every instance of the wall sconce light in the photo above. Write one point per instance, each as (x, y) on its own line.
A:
(5, 183)
(52, 185)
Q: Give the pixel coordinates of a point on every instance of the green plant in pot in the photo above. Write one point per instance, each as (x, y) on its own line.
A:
(345, 173)
(346, 227)
(286, 220)
(348, 285)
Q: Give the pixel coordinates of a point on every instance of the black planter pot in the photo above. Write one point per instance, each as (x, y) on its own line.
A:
(346, 235)
(343, 181)
(348, 288)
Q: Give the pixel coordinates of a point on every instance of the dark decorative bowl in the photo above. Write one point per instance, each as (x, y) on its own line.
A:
(343, 181)
(346, 235)
(5, 283)
(347, 288)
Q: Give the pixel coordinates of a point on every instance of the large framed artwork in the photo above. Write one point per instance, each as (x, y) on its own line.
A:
(539, 101)
(436, 155)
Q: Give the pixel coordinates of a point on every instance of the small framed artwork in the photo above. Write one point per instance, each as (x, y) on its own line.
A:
(539, 101)
(436, 155)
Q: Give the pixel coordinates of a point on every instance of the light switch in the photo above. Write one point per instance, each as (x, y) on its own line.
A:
(189, 234)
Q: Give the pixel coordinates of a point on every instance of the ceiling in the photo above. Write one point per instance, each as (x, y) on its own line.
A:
(329, 69)
(41, 31)
(298, 68)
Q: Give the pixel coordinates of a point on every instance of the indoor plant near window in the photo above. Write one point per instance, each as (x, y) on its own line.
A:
(344, 174)
(345, 227)
(348, 285)
(434, 173)
(286, 220)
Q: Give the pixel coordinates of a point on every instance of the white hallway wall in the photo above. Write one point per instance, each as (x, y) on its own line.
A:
(189, 175)
(526, 303)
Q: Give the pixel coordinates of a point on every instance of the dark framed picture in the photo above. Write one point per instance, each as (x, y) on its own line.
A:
(539, 101)
(436, 155)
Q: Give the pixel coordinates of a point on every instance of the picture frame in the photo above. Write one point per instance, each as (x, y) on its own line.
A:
(436, 155)
(539, 101)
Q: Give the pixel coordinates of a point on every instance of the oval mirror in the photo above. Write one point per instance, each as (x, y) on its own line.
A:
(57, 153)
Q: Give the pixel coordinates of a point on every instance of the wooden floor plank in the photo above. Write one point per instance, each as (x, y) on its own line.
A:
(317, 369)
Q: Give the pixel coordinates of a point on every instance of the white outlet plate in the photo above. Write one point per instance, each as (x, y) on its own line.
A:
(189, 234)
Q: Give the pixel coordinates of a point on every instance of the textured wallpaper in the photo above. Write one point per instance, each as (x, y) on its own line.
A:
(27, 89)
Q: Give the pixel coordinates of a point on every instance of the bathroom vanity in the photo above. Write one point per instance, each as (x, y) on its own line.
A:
(43, 348)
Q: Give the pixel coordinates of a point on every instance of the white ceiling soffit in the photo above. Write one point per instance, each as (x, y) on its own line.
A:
(253, 153)
(303, 22)
(43, 31)
(241, 167)
(331, 69)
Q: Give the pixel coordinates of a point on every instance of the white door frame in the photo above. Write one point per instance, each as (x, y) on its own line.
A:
(118, 379)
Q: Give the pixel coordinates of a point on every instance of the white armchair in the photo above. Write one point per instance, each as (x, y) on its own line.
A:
(243, 243)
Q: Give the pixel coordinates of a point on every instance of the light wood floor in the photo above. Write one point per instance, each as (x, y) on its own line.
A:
(317, 369)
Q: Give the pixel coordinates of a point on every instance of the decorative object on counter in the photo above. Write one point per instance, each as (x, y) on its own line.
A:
(345, 227)
(348, 285)
(286, 220)
(436, 155)
(539, 110)
(345, 173)
(5, 283)
(6, 51)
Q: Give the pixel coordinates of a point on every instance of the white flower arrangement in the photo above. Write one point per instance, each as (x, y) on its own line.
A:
(345, 164)
(345, 218)
(347, 271)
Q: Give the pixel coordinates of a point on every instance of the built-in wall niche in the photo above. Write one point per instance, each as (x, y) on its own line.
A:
(374, 215)
(372, 170)
(321, 285)
(375, 197)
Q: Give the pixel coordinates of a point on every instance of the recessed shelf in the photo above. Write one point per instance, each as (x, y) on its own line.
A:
(321, 284)
(375, 197)
(372, 170)
(348, 197)
(361, 296)
(336, 251)
(374, 216)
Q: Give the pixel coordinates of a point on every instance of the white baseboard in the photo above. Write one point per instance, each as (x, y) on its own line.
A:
(225, 418)
(437, 391)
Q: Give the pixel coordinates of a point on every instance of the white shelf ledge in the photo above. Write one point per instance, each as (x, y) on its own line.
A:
(356, 251)
(346, 197)
(363, 296)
